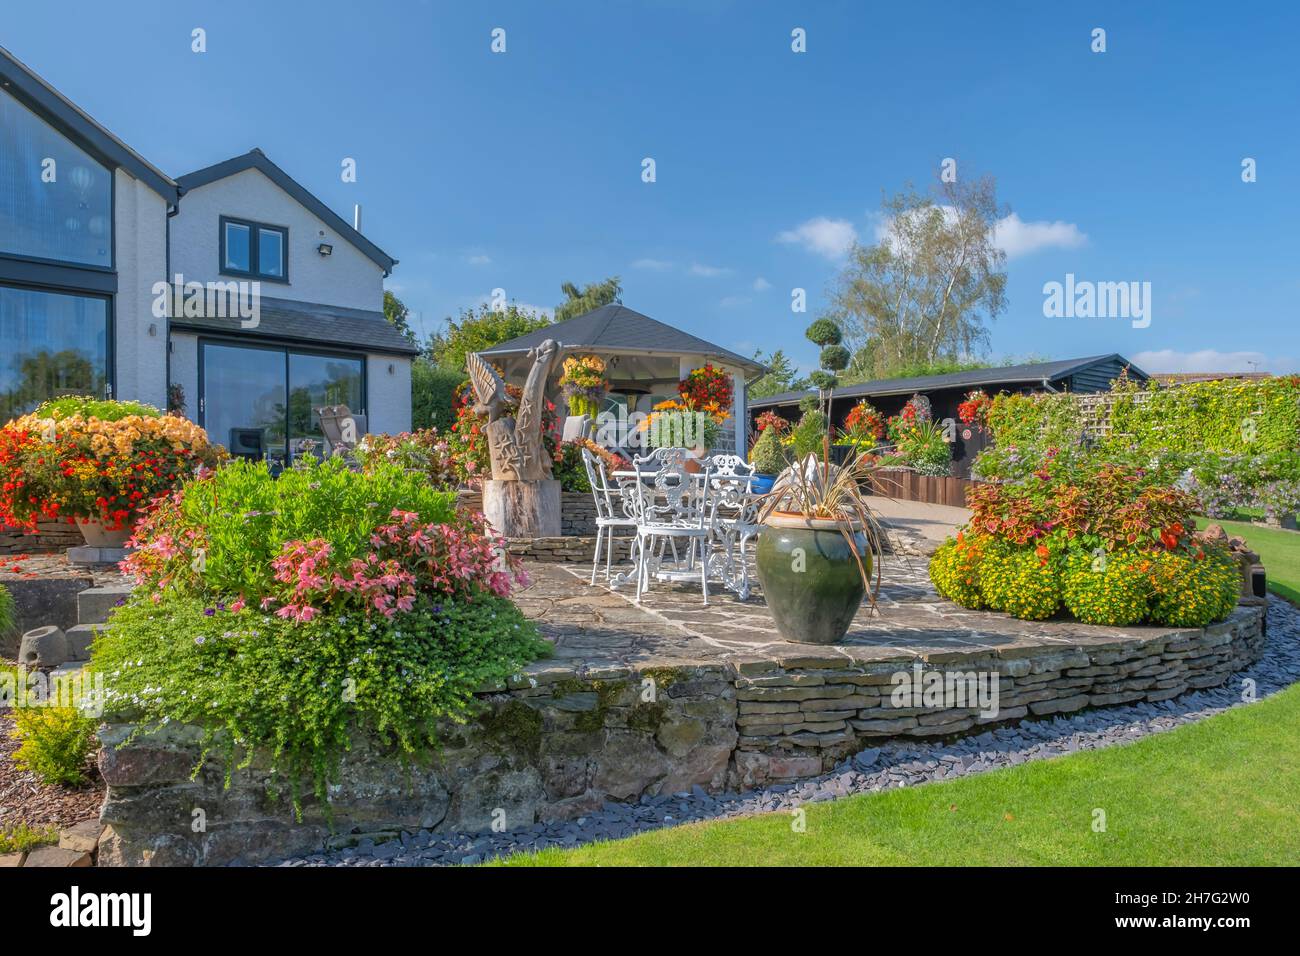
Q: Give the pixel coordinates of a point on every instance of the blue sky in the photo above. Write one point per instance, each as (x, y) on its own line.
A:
(522, 170)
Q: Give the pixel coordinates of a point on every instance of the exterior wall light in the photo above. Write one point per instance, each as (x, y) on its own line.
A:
(325, 249)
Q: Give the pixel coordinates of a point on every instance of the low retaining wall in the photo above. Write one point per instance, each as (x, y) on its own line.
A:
(563, 739)
(53, 536)
(577, 511)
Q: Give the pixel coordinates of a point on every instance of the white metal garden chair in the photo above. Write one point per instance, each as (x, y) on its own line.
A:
(615, 508)
(672, 504)
(734, 519)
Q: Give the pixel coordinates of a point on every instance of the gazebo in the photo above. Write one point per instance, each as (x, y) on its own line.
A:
(644, 358)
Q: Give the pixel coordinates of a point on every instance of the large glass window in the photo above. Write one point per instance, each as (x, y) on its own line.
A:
(261, 402)
(55, 201)
(51, 344)
(254, 250)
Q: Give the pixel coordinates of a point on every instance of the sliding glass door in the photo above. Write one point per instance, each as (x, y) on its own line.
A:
(260, 402)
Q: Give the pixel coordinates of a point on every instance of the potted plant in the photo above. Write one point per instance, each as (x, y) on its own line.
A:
(96, 464)
(818, 547)
(818, 539)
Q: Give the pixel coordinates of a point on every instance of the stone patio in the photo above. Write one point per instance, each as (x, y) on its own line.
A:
(595, 628)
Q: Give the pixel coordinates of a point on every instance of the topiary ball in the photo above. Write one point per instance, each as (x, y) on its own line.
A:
(824, 332)
(1194, 589)
(1110, 589)
(823, 380)
(955, 571)
(1021, 582)
(835, 357)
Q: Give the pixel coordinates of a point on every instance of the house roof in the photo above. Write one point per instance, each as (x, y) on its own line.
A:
(308, 323)
(974, 378)
(69, 119)
(256, 159)
(616, 328)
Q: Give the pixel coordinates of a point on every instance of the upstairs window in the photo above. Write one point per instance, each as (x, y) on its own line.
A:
(254, 250)
(56, 203)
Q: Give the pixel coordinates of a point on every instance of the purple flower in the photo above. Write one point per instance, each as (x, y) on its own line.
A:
(208, 612)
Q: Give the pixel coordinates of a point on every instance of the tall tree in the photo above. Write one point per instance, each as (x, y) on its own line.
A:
(398, 315)
(477, 329)
(580, 301)
(783, 376)
(925, 293)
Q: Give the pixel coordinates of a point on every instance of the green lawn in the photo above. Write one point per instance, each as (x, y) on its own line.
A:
(1279, 550)
(1224, 791)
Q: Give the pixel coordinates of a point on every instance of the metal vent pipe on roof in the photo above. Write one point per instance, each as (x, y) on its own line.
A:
(356, 217)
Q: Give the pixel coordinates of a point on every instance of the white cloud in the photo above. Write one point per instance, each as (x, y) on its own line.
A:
(761, 284)
(655, 265)
(479, 260)
(1016, 237)
(1212, 360)
(831, 238)
(709, 272)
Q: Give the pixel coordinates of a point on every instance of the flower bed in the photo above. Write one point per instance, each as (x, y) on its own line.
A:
(284, 615)
(75, 458)
(1111, 545)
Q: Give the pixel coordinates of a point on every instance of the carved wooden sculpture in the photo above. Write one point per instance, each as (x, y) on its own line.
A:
(521, 499)
(515, 444)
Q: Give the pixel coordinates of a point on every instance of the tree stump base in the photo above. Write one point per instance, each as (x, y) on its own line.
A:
(523, 509)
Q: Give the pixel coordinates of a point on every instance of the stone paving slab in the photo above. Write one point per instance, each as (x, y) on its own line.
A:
(596, 627)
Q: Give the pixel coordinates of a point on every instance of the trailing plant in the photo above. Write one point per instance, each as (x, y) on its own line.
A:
(707, 389)
(284, 616)
(864, 423)
(78, 458)
(22, 838)
(298, 692)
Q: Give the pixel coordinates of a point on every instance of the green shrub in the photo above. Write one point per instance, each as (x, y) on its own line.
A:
(569, 471)
(1023, 583)
(768, 456)
(1110, 589)
(299, 690)
(807, 435)
(240, 518)
(7, 613)
(955, 571)
(24, 839)
(55, 742)
(433, 395)
(1194, 589)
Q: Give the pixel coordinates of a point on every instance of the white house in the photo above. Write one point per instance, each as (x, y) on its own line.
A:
(89, 234)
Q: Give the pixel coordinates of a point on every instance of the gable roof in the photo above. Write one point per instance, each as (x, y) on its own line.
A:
(616, 328)
(1031, 373)
(256, 159)
(309, 323)
(69, 119)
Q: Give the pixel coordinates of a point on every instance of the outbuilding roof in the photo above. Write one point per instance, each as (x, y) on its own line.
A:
(1032, 373)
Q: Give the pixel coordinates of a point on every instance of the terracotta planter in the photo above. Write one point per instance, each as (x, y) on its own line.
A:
(98, 537)
(810, 578)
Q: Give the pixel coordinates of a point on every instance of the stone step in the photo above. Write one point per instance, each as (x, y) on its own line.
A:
(80, 638)
(95, 604)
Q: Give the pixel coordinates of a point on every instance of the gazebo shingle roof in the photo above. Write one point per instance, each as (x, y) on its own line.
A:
(616, 328)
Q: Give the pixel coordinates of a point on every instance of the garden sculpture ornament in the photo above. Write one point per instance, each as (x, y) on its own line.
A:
(515, 444)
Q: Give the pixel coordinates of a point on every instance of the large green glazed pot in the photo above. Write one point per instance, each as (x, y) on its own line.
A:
(810, 578)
